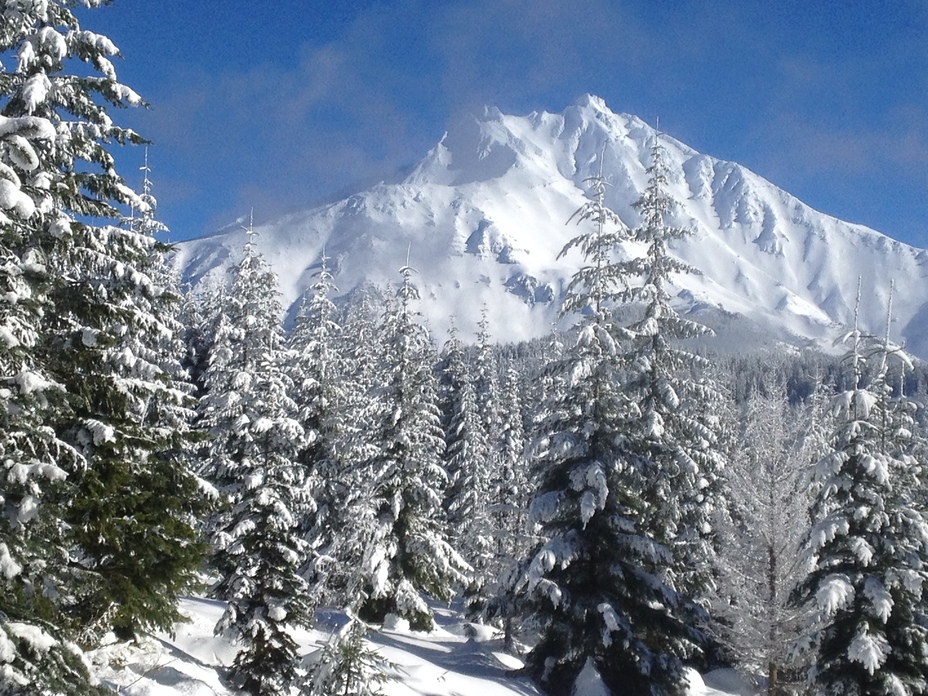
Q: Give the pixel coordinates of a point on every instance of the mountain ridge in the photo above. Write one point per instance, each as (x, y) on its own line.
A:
(484, 216)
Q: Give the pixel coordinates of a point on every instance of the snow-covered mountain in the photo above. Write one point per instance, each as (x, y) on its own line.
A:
(484, 215)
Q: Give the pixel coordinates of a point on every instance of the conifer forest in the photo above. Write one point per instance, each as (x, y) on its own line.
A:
(616, 497)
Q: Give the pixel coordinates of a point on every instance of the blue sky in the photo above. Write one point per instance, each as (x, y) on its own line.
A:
(281, 105)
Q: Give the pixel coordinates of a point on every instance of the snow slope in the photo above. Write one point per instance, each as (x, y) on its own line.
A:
(483, 218)
(442, 663)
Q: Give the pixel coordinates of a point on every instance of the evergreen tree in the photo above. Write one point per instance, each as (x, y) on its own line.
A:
(407, 551)
(262, 551)
(511, 486)
(362, 358)
(33, 459)
(868, 542)
(200, 311)
(510, 493)
(252, 460)
(676, 427)
(356, 446)
(248, 336)
(348, 667)
(35, 648)
(320, 399)
(486, 385)
(101, 325)
(468, 459)
(597, 578)
(113, 346)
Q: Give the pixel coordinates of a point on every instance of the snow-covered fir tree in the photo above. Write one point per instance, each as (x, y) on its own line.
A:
(201, 308)
(315, 367)
(486, 387)
(35, 653)
(99, 331)
(252, 460)
(598, 577)
(406, 550)
(868, 542)
(361, 354)
(262, 550)
(247, 332)
(468, 463)
(168, 349)
(510, 492)
(347, 666)
(114, 349)
(510, 486)
(676, 429)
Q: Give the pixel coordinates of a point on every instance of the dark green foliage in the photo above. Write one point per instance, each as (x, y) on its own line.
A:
(677, 428)
(868, 544)
(598, 577)
(597, 581)
(99, 508)
(127, 416)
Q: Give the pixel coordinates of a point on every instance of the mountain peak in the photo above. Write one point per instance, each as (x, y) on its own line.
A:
(491, 113)
(592, 101)
(484, 214)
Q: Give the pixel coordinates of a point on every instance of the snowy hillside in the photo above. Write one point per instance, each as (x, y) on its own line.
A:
(444, 662)
(483, 217)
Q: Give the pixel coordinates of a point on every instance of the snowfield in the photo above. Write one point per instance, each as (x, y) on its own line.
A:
(456, 659)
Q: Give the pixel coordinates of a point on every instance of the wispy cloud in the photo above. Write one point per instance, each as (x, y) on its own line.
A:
(807, 94)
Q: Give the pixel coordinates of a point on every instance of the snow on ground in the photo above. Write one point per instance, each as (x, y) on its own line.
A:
(455, 659)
